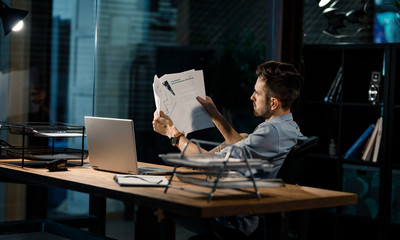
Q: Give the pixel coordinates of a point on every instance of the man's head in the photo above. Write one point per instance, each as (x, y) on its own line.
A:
(277, 87)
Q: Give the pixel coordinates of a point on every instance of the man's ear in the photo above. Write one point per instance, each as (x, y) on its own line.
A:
(274, 103)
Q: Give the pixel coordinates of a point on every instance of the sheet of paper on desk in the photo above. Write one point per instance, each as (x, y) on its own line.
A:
(140, 180)
(175, 94)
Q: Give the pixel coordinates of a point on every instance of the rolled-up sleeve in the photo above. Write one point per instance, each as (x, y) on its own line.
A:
(270, 141)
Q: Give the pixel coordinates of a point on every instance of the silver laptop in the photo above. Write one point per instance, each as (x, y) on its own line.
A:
(112, 146)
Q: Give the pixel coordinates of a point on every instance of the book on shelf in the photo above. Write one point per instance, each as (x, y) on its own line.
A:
(335, 88)
(339, 91)
(369, 147)
(356, 148)
(377, 142)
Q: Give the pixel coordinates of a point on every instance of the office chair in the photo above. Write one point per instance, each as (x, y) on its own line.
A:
(293, 225)
(273, 225)
(291, 169)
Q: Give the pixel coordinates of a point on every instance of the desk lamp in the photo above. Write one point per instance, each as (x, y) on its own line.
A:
(337, 19)
(11, 18)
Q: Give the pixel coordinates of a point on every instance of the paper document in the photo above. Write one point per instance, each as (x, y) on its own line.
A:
(175, 95)
(140, 180)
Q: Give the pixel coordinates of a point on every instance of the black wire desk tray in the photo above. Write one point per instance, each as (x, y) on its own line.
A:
(207, 161)
(40, 129)
(47, 154)
(227, 182)
(216, 169)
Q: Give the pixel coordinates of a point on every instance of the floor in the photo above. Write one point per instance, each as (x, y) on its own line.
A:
(123, 230)
(32, 236)
(116, 228)
(120, 223)
(120, 217)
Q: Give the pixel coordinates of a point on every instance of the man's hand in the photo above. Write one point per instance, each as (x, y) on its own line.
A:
(209, 106)
(163, 124)
(227, 131)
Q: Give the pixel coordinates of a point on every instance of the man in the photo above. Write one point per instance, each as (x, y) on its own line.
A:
(277, 87)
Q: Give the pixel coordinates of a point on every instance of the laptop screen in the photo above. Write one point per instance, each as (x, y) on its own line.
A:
(111, 144)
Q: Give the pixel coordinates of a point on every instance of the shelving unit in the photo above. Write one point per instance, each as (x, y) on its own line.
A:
(344, 121)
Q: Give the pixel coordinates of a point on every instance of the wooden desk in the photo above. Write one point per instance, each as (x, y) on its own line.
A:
(226, 202)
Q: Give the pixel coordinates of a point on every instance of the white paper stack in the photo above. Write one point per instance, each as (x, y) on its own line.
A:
(175, 95)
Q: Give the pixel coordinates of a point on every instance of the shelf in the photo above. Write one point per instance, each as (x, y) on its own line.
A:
(366, 105)
(355, 161)
(360, 162)
(345, 104)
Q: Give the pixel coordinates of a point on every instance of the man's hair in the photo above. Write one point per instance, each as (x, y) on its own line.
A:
(282, 80)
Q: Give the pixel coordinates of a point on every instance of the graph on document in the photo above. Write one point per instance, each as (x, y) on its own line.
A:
(169, 105)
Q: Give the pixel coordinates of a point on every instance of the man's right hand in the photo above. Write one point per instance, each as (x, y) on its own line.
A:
(163, 124)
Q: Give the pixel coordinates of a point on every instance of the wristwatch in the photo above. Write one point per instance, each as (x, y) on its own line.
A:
(175, 138)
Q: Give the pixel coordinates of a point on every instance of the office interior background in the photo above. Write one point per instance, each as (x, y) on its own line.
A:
(77, 58)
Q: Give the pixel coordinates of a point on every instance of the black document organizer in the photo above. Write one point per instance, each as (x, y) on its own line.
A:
(214, 172)
(43, 130)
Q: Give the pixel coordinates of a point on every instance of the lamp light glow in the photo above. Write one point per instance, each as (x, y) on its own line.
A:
(11, 18)
(323, 3)
(18, 26)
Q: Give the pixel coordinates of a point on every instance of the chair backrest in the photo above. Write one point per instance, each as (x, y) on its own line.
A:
(292, 167)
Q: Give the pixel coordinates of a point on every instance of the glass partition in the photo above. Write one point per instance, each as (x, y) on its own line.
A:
(98, 57)
(139, 39)
(46, 75)
(77, 58)
(47, 69)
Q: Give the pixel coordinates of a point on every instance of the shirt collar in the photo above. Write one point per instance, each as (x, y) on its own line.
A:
(285, 117)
